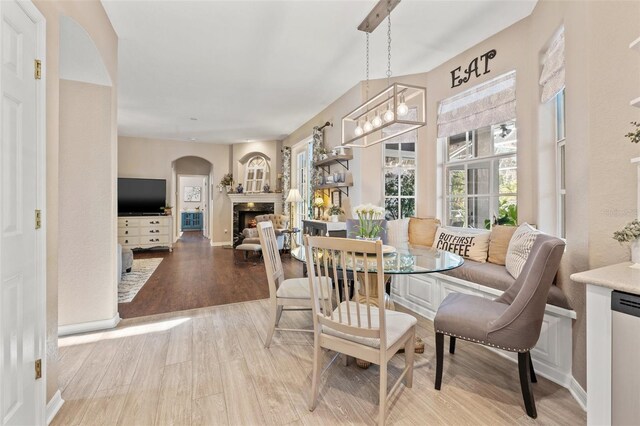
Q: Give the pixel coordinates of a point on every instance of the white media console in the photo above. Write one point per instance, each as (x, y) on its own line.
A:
(145, 232)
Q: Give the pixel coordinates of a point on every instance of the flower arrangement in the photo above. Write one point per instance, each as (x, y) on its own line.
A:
(318, 203)
(634, 136)
(629, 233)
(334, 210)
(369, 221)
(227, 179)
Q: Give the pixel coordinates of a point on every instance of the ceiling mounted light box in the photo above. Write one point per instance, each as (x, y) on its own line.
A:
(400, 108)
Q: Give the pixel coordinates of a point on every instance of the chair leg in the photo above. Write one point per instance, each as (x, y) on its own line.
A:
(279, 314)
(439, 359)
(409, 356)
(274, 321)
(532, 371)
(452, 345)
(315, 378)
(525, 384)
(382, 409)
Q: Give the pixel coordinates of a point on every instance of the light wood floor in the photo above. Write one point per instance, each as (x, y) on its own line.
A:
(208, 366)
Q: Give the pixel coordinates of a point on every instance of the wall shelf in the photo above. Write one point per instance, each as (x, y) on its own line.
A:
(343, 160)
(635, 45)
(342, 187)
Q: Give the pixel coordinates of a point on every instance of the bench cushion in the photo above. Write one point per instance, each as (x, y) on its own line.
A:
(496, 276)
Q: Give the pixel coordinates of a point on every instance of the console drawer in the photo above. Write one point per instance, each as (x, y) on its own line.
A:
(154, 230)
(125, 222)
(128, 240)
(128, 232)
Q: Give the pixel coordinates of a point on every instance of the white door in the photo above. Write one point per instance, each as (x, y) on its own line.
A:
(21, 271)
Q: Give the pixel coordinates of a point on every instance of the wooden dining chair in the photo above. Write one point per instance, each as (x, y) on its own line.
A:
(291, 294)
(361, 328)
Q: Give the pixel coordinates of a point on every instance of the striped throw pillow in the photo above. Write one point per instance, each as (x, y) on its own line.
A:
(519, 248)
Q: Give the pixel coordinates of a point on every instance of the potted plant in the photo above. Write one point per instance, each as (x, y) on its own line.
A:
(167, 210)
(335, 212)
(630, 234)
(369, 221)
(634, 136)
(227, 182)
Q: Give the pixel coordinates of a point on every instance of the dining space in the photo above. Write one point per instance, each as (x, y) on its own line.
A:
(346, 287)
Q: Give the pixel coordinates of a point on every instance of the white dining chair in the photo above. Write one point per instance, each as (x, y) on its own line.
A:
(291, 294)
(361, 328)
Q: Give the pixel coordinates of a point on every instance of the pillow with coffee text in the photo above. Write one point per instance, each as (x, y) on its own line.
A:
(471, 245)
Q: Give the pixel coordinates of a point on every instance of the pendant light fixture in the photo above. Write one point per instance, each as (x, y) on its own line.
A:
(390, 108)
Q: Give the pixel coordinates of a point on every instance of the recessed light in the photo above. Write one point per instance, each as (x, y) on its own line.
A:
(193, 139)
(193, 119)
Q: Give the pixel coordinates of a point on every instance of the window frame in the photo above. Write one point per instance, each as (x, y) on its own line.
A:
(494, 176)
(255, 180)
(402, 168)
(560, 136)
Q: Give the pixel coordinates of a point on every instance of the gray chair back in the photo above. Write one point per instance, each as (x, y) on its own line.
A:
(519, 326)
(353, 224)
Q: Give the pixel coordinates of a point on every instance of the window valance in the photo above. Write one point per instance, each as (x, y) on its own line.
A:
(488, 103)
(552, 76)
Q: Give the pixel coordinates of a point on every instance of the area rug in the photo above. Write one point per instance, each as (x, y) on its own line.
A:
(132, 282)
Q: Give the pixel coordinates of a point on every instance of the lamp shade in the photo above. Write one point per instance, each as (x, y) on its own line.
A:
(294, 196)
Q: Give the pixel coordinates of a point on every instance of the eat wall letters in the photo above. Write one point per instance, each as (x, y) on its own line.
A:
(477, 67)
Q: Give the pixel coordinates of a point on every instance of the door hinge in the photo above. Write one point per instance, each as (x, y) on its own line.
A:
(38, 369)
(38, 219)
(38, 69)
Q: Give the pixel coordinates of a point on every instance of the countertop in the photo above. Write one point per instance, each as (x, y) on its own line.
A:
(622, 277)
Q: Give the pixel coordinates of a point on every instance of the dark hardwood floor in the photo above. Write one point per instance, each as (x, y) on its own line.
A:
(197, 275)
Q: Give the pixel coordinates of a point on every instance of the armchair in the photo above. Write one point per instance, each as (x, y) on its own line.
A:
(279, 222)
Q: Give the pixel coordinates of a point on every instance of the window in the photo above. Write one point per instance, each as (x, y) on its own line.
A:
(256, 174)
(560, 164)
(400, 178)
(480, 177)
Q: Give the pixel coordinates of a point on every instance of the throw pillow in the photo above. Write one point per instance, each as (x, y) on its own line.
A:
(519, 248)
(398, 232)
(471, 245)
(423, 230)
(499, 243)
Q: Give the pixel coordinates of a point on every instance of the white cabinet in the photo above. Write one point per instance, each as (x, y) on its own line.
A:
(145, 232)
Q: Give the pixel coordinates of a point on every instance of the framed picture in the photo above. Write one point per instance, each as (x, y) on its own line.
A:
(192, 193)
(336, 198)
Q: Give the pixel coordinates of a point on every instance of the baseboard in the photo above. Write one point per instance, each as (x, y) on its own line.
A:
(221, 243)
(578, 393)
(54, 406)
(84, 327)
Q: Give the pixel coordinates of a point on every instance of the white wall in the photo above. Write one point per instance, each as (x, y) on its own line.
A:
(87, 260)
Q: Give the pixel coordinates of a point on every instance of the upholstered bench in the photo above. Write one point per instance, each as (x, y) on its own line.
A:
(247, 248)
(127, 260)
(487, 278)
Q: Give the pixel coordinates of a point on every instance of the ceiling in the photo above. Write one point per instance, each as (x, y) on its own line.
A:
(237, 71)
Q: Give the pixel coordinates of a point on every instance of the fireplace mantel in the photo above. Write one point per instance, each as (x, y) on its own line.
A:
(259, 197)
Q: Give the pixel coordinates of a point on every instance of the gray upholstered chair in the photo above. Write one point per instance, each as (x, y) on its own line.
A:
(352, 229)
(511, 322)
(280, 223)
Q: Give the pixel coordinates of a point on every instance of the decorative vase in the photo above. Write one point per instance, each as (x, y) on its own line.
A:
(229, 188)
(334, 217)
(635, 251)
(358, 237)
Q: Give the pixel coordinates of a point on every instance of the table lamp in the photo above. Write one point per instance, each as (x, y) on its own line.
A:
(293, 197)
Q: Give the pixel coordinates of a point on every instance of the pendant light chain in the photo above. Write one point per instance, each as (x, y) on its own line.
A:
(367, 84)
(388, 43)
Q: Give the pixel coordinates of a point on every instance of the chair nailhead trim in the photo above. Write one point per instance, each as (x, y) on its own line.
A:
(483, 342)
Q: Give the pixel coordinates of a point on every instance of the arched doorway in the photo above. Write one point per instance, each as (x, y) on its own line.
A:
(191, 178)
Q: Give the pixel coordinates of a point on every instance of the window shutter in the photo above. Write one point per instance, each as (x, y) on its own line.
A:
(488, 103)
(552, 76)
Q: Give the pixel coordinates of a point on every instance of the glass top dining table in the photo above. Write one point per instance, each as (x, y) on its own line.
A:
(405, 259)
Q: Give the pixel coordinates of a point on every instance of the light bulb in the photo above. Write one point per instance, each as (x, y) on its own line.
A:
(358, 131)
(388, 116)
(377, 121)
(368, 126)
(403, 109)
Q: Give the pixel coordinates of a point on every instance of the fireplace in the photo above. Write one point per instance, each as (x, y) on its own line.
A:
(244, 216)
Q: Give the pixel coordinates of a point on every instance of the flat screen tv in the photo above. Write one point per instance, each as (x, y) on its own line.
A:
(141, 196)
